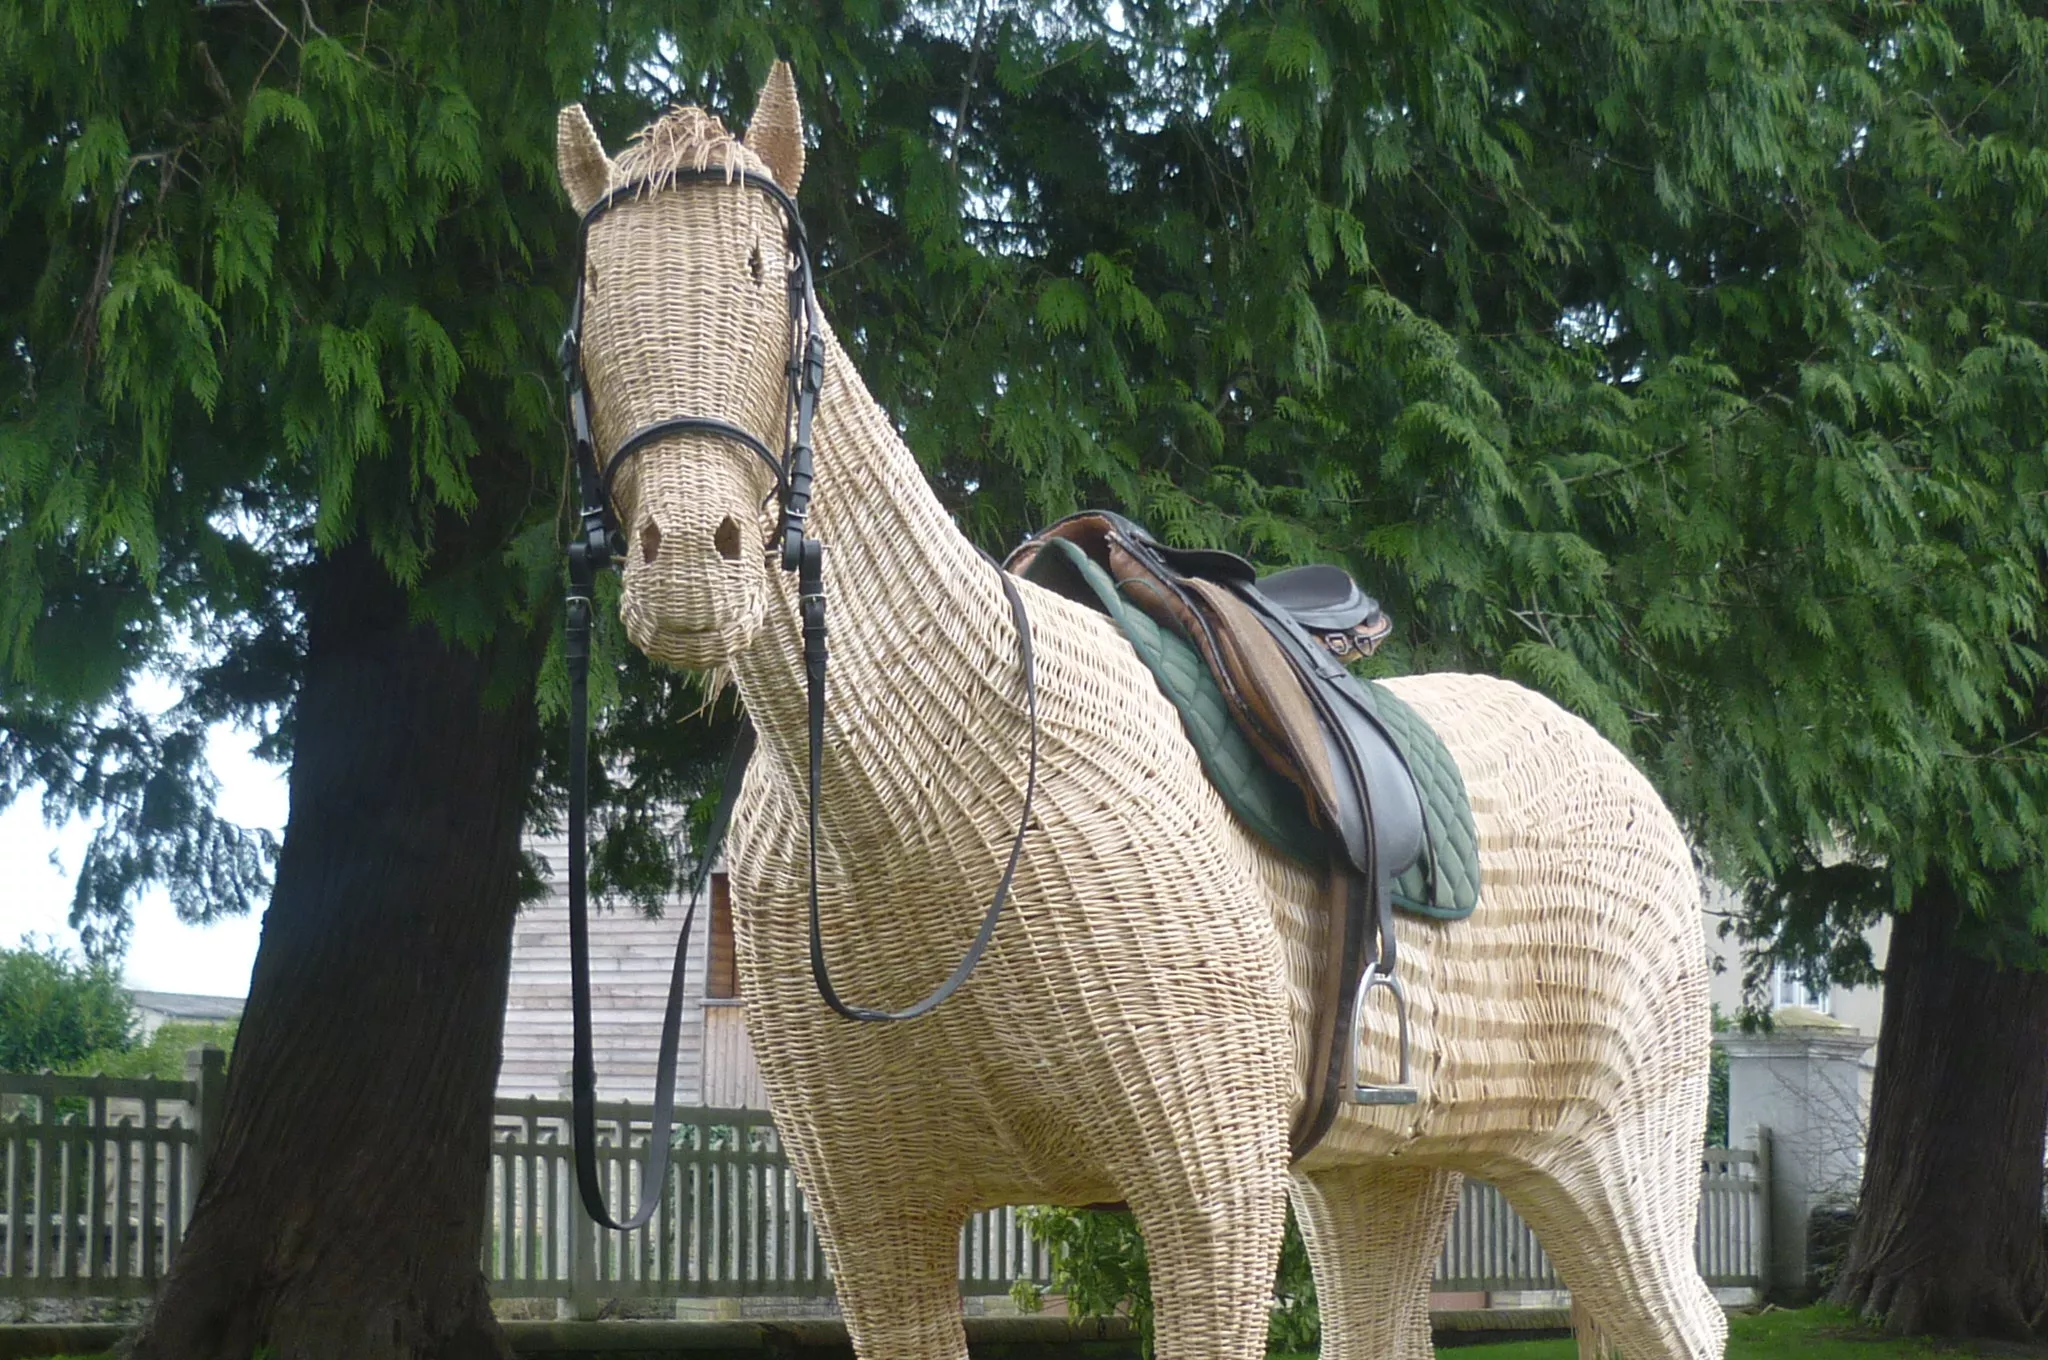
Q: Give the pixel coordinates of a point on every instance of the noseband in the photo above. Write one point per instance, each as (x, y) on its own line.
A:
(600, 545)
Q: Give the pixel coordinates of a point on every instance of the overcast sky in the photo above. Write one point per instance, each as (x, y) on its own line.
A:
(164, 954)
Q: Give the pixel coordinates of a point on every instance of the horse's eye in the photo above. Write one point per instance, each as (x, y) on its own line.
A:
(754, 263)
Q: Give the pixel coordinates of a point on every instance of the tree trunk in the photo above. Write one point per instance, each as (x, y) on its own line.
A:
(1948, 1238)
(342, 1215)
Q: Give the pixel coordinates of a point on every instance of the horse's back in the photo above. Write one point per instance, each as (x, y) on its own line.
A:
(1579, 982)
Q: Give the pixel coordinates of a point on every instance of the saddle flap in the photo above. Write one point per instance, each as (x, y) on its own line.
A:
(1264, 687)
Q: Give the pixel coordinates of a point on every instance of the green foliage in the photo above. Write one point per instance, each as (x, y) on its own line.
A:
(1687, 363)
(1099, 1265)
(1296, 1323)
(162, 1056)
(271, 280)
(1717, 1086)
(54, 1010)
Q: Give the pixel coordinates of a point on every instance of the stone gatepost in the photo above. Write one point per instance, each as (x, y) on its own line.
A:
(1803, 1082)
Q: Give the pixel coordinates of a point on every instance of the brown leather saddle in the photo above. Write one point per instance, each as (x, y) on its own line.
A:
(1276, 647)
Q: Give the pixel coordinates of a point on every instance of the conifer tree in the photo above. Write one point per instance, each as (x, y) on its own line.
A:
(279, 285)
(1755, 298)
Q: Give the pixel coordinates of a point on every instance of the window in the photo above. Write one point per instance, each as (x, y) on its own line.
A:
(721, 968)
(1790, 987)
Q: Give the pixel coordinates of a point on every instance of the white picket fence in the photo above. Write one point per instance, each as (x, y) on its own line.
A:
(1489, 1247)
(732, 1222)
(100, 1174)
(97, 1178)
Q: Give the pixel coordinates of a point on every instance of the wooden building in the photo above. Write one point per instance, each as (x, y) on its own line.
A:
(630, 959)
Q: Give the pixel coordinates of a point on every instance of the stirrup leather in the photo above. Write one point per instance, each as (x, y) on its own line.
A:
(1402, 1091)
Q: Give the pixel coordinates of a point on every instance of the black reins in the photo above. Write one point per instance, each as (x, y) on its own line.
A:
(598, 546)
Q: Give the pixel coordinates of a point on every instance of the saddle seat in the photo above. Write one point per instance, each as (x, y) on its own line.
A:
(1325, 600)
(1274, 646)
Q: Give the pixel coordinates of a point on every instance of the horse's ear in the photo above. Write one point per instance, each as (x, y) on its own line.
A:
(777, 133)
(585, 170)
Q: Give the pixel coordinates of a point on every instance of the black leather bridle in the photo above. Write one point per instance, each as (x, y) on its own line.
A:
(598, 546)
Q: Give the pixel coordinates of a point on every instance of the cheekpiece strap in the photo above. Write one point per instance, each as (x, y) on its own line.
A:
(792, 471)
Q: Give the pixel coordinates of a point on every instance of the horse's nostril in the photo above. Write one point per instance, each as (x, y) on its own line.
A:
(650, 541)
(727, 539)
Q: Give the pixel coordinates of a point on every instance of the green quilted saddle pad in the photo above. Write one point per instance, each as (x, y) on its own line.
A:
(1270, 805)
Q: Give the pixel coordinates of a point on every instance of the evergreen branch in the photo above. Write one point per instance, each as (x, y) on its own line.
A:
(1999, 751)
(1533, 619)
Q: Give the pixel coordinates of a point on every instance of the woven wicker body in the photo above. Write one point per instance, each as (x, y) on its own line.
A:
(1137, 1031)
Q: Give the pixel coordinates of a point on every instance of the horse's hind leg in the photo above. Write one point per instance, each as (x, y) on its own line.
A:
(1616, 1214)
(896, 1269)
(1374, 1233)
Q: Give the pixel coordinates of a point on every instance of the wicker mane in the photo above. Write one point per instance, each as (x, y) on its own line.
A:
(1138, 1031)
(684, 138)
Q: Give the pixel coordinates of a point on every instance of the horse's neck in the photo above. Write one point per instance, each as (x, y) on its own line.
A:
(923, 683)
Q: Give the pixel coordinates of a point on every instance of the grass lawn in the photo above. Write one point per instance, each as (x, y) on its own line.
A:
(1809, 1334)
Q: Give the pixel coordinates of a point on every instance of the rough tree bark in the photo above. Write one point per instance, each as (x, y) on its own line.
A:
(343, 1213)
(1949, 1234)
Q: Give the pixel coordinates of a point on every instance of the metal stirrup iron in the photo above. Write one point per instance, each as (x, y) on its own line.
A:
(1379, 976)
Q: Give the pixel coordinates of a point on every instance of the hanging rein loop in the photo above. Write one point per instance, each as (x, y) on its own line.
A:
(599, 545)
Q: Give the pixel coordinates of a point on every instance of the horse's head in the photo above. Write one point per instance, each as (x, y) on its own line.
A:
(686, 312)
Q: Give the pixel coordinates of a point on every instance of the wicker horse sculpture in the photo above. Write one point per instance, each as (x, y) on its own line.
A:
(1137, 1031)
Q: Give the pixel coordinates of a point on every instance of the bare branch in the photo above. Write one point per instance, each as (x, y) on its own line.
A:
(214, 80)
(968, 81)
(85, 327)
(282, 26)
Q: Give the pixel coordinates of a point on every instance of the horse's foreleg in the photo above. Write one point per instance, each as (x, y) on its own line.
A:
(1212, 1223)
(896, 1267)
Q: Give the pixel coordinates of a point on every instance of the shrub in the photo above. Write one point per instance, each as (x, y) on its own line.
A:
(163, 1057)
(1717, 1087)
(1098, 1263)
(1297, 1321)
(1828, 1230)
(54, 1010)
